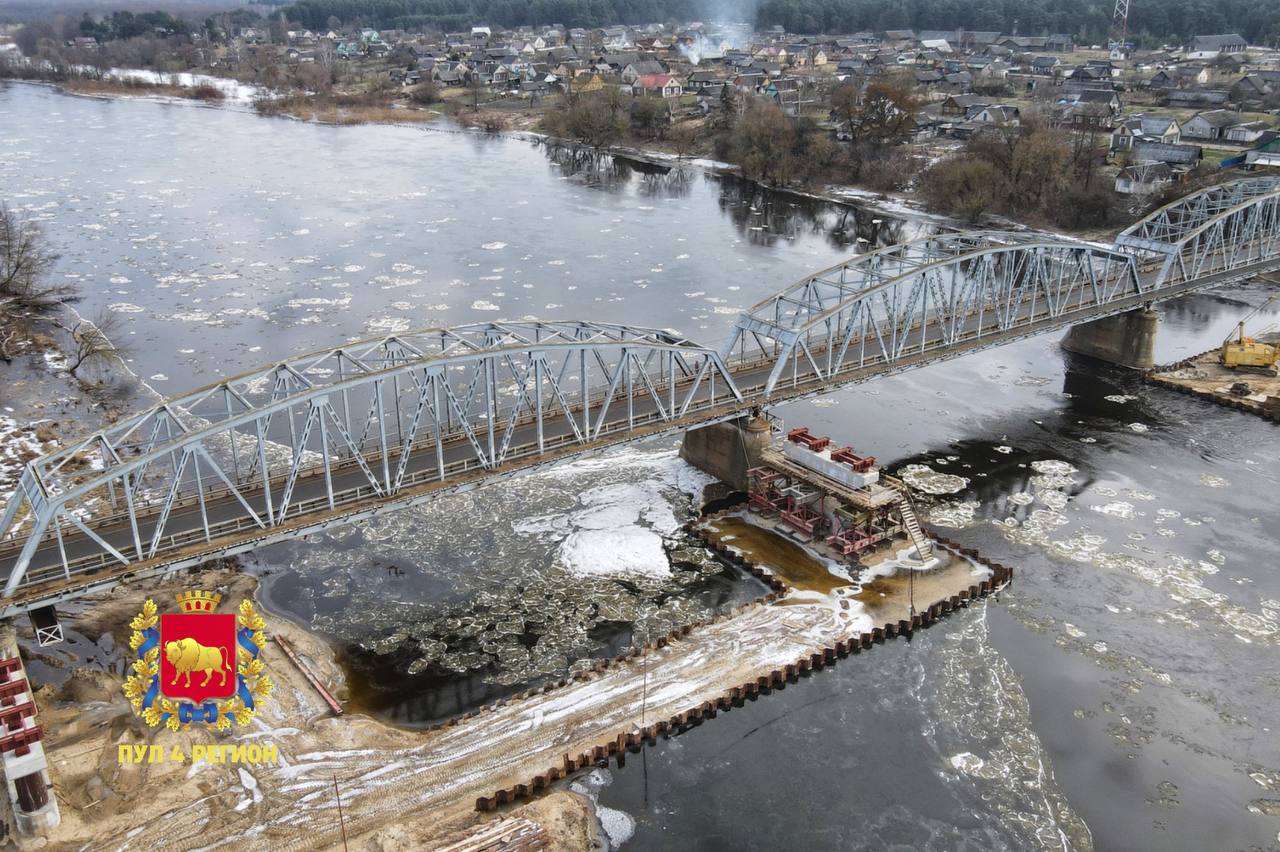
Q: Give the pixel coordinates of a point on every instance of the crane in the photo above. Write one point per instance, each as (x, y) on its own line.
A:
(1241, 352)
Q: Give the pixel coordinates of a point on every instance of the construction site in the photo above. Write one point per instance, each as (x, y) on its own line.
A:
(1243, 373)
(838, 544)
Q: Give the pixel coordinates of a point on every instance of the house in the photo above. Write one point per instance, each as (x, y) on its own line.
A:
(1060, 43)
(1144, 178)
(1264, 155)
(699, 80)
(1210, 125)
(1045, 64)
(1088, 108)
(1145, 128)
(1002, 115)
(591, 83)
(1175, 155)
(1196, 97)
(1179, 76)
(958, 106)
(657, 85)
(1247, 133)
(1211, 46)
(635, 70)
(1251, 88)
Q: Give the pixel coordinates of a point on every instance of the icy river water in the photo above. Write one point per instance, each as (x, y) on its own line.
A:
(1123, 694)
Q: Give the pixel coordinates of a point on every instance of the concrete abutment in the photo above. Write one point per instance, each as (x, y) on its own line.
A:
(1128, 339)
(727, 450)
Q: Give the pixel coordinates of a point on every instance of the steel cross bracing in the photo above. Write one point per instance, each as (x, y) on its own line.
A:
(1222, 227)
(929, 294)
(380, 413)
(362, 428)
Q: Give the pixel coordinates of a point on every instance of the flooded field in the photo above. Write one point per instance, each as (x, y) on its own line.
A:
(1122, 694)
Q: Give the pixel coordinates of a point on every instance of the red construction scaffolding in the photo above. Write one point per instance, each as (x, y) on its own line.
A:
(846, 455)
(764, 492)
(803, 517)
(813, 442)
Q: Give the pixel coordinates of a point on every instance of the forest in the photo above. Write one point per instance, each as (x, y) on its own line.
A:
(1088, 20)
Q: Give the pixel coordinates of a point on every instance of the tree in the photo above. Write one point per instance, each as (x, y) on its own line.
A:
(963, 186)
(25, 261)
(650, 117)
(887, 113)
(765, 142)
(91, 344)
(846, 103)
(425, 93)
(594, 120)
(683, 138)
(476, 86)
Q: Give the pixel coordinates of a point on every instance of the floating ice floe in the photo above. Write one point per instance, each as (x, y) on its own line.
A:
(929, 481)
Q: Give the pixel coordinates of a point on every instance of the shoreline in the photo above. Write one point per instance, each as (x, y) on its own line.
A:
(495, 757)
(895, 205)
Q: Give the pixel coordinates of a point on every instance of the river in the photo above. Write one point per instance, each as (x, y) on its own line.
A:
(1122, 694)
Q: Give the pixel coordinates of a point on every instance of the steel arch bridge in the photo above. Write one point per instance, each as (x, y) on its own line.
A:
(1222, 227)
(353, 431)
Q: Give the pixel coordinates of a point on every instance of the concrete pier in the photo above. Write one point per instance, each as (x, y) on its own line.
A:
(727, 450)
(1125, 339)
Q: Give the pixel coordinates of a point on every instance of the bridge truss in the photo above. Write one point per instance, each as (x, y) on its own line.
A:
(1223, 227)
(321, 438)
(364, 421)
(932, 293)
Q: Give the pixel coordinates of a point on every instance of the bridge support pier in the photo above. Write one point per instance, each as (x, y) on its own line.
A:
(1128, 339)
(727, 450)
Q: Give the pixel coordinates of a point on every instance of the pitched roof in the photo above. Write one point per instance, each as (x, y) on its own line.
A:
(1216, 42)
(1167, 153)
(655, 81)
(1218, 117)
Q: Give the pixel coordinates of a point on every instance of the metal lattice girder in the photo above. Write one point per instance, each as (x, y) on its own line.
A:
(1220, 228)
(371, 417)
(930, 293)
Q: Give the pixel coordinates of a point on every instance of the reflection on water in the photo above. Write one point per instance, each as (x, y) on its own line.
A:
(1134, 655)
(766, 217)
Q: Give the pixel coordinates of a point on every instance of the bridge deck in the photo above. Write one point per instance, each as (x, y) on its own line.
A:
(70, 560)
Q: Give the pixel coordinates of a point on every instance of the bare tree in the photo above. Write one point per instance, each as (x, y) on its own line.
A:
(25, 260)
(683, 138)
(91, 344)
(8, 340)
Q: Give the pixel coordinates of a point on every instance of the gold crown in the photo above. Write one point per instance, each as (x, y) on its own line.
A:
(198, 601)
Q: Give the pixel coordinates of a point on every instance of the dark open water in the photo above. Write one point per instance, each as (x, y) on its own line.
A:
(1122, 695)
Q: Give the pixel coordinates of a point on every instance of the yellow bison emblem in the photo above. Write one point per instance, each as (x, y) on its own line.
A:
(188, 655)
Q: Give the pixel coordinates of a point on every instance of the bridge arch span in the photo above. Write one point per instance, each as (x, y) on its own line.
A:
(933, 293)
(365, 421)
(1217, 229)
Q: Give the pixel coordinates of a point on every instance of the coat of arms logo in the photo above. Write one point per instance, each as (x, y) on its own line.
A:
(197, 666)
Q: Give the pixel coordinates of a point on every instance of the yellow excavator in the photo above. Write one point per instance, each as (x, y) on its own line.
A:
(1240, 352)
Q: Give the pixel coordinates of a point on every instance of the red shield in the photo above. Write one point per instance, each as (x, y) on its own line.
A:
(198, 656)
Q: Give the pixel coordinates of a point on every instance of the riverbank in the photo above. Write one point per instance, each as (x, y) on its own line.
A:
(401, 789)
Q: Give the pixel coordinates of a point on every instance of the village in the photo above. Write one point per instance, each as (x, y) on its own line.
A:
(1152, 119)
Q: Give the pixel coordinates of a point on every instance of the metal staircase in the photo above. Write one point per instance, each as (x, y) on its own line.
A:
(924, 546)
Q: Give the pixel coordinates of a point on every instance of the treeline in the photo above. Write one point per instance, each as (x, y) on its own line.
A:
(451, 15)
(1088, 20)
(123, 24)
